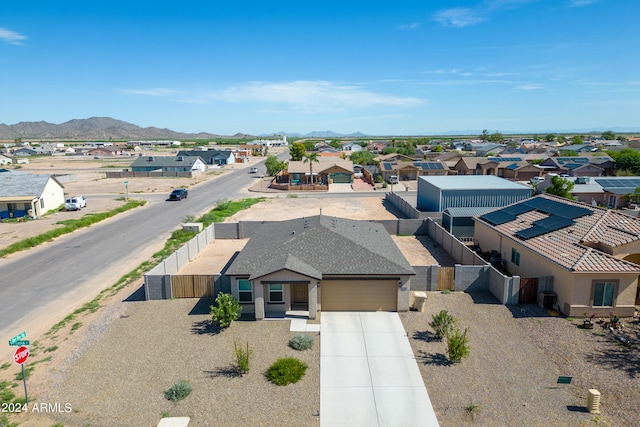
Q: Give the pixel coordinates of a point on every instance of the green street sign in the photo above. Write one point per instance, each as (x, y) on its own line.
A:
(19, 336)
(18, 343)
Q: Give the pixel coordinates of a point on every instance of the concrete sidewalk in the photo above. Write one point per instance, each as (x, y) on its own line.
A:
(368, 373)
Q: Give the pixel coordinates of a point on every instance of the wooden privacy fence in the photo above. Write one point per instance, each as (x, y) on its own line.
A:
(445, 278)
(192, 286)
(528, 290)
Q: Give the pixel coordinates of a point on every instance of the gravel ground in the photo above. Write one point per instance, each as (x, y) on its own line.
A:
(145, 347)
(514, 363)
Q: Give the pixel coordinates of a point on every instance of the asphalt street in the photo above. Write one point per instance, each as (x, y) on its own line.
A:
(32, 279)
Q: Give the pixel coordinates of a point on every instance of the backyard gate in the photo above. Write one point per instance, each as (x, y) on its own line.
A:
(445, 278)
(528, 290)
(192, 286)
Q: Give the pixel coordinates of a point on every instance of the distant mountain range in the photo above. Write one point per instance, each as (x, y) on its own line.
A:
(94, 128)
(105, 128)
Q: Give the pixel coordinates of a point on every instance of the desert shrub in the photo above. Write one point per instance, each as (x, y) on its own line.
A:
(379, 179)
(242, 357)
(226, 311)
(285, 371)
(301, 342)
(442, 322)
(457, 344)
(178, 391)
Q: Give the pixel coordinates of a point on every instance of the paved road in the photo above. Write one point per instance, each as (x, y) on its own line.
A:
(67, 269)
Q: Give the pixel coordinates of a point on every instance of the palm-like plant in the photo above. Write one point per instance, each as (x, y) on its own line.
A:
(310, 158)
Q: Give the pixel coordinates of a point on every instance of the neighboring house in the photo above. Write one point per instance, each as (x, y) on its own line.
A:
(579, 166)
(410, 171)
(377, 147)
(324, 148)
(168, 164)
(484, 148)
(437, 193)
(104, 152)
(19, 152)
(23, 194)
(327, 170)
(584, 255)
(578, 148)
(351, 146)
(393, 157)
(211, 156)
(5, 160)
(320, 263)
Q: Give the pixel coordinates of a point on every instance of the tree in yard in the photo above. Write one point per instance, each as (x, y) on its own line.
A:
(496, 137)
(577, 140)
(309, 145)
(335, 144)
(626, 159)
(550, 137)
(274, 166)
(437, 149)
(560, 187)
(310, 158)
(297, 151)
(226, 310)
(362, 157)
(608, 135)
(485, 135)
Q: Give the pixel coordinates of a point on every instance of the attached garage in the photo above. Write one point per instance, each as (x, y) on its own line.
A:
(341, 177)
(359, 295)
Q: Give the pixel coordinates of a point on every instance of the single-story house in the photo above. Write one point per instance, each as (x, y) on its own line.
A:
(168, 164)
(326, 170)
(578, 148)
(24, 152)
(5, 160)
(104, 152)
(377, 147)
(410, 171)
(211, 156)
(351, 146)
(578, 166)
(585, 256)
(23, 194)
(320, 263)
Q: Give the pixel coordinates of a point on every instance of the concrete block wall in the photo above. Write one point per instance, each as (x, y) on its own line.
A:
(471, 278)
(422, 279)
(192, 249)
(226, 230)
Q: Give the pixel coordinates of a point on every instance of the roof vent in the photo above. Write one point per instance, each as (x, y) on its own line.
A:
(179, 158)
(150, 159)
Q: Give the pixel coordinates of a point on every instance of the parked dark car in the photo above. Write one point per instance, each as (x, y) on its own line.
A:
(178, 194)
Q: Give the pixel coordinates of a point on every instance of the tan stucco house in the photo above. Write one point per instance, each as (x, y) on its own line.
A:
(590, 254)
(320, 263)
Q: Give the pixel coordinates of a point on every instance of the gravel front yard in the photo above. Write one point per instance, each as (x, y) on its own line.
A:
(514, 363)
(145, 347)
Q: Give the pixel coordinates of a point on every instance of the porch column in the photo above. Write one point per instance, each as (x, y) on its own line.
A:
(258, 296)
(313, 299)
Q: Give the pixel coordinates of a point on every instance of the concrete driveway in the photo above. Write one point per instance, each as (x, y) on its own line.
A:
(368, 373)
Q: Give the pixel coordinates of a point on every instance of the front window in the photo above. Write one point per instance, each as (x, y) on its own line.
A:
(603, 294)
(276, 293)
(245, 291)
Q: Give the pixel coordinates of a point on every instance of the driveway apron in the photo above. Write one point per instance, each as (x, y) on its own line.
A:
(368, 373)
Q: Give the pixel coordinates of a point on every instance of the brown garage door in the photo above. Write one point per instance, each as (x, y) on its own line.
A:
(359, 295)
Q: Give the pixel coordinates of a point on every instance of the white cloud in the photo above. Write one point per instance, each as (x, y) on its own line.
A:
(411, 26)
(530, 86)
(579, 3)
(311, 95)
(458, 17)
(11, 37)
(151, 92)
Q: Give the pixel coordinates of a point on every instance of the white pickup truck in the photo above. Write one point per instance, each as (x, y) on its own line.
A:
(75, 203)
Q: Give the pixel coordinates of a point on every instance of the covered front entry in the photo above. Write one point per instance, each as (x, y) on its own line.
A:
(359, 295)
(299, 296)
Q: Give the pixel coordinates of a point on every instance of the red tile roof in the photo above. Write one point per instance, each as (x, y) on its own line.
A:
(575, 247)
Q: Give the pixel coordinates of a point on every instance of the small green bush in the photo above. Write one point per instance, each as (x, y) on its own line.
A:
(242, 358)
(285, 371)
(457, 344)
(226, 311)
(301, 342)
(178, 391)
(442, 322)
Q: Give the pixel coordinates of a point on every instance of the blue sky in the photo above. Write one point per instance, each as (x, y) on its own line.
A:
(378, 67)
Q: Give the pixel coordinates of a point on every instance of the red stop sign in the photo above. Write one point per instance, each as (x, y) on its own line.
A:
(21, 355)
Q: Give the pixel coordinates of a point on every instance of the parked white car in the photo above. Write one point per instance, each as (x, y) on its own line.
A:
(75, 203)
(537, 180)
(393, 179)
